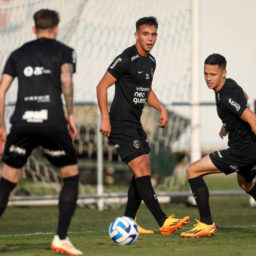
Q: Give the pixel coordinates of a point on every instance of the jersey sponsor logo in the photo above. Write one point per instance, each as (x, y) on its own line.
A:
(35, 116)
(140, 72)
(133, 58)
(140, 95)
(136, 144)
(18, 150)
(54, 153)
(36, 71)
(115, 63)
(234, 104)
(38, 99)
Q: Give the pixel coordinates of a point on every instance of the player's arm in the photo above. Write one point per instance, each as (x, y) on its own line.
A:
(102, 96)
(153, 101)
(222, 132)
(5, 83)
(249, 117)
(66, 78)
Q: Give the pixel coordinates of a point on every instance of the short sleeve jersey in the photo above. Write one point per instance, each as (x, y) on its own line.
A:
(134, 74)
(37, 65)
(231, 103)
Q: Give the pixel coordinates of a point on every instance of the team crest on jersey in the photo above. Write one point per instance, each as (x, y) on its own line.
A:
(136, 144)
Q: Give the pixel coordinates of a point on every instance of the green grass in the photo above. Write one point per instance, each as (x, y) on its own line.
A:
(28, 231)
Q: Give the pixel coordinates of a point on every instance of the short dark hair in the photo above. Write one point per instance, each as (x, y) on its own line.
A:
(151, 20)
(216, 59)
(46, 19)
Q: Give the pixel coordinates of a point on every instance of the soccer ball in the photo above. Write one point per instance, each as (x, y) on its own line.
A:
(123, 231)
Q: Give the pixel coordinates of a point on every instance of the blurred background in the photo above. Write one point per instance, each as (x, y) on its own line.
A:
(99, 30)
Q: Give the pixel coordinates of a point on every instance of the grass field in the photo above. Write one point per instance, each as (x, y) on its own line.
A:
(28, 231)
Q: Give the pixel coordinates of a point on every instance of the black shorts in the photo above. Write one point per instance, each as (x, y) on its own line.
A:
(243, 163)
(129, 140)
(56, 142)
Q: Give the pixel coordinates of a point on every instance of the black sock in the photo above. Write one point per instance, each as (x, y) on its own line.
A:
(201, 195)
(149, 197)
(252, 192)
(67, 204)
(6, 188)
(134, 200)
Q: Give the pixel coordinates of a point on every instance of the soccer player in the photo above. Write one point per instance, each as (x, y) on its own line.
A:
(132, 73)
(239, 123)
(44, 69)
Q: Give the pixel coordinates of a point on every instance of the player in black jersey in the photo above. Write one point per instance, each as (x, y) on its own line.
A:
(239, 123)
(44, 69)
(132, 72)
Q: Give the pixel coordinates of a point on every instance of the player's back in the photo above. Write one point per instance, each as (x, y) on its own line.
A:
(37, 66)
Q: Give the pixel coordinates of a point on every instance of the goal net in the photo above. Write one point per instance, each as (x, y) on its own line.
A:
(99, 30)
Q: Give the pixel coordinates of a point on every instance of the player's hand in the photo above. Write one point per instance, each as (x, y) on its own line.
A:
(105, 127)
(3, 136)
(222, 132)
(163, 118)
(72, 130)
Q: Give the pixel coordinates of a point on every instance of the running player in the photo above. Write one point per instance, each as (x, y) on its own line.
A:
(239, 122)
(132, 72)
(44, 69)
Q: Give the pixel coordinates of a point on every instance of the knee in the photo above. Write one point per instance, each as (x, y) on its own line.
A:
(246, 186)
(190, 172)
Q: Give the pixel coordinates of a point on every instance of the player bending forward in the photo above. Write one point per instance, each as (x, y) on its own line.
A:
(132, 72)
(239, 122)
(44, 69)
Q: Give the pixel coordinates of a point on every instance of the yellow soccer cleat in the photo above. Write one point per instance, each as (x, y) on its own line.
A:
(200, 229)
(172, 224)
(143, 230)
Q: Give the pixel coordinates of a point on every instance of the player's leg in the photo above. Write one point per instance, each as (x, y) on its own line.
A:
(134, 200)
(195, 173)
(141, 169)
(67, 199)
(67, 206)
(18, 147)
(248, 185)
(59, 150)
(133, 204)
(8, 181)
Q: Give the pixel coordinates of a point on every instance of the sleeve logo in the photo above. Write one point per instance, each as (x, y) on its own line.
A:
(115, 63)
(234, 104)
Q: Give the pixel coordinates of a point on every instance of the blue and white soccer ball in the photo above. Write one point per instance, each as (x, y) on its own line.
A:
(123, 231)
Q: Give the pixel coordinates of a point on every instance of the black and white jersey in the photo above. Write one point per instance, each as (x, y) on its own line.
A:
(37, 66)
(134, 74)
(231, 103)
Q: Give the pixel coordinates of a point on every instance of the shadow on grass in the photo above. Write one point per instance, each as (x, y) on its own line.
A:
(23, 247)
